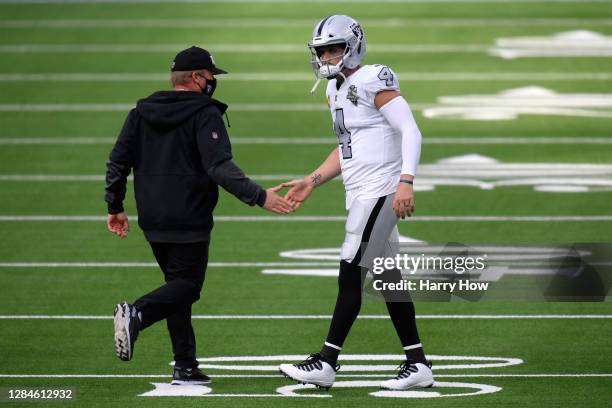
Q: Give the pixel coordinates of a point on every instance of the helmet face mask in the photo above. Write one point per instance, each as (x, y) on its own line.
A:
(323, 68)
(337, 30)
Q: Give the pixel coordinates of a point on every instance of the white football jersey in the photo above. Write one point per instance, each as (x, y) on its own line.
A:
(369, 148)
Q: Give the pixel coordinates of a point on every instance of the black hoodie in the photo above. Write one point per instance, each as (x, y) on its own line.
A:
(178, 146)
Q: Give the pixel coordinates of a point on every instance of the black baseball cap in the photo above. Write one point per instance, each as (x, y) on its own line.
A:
(193, 59)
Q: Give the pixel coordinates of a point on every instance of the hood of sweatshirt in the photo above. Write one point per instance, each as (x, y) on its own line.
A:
(171, 108)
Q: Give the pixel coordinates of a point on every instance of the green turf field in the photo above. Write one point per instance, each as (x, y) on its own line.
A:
(70, 72)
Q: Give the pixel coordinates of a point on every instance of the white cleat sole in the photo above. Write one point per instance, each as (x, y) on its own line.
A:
(122, 334)
(319, 384)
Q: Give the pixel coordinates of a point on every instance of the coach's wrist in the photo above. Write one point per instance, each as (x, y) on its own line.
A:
(115, 208)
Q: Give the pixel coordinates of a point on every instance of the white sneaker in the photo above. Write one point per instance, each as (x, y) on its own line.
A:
(410, 375)
(313, 370)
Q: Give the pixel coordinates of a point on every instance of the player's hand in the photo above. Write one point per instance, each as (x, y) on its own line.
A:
(299, 190)
(403, 203)
(118, 224)
(276, 203)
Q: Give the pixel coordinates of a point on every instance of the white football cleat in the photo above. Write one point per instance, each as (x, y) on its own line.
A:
(313, 370)
(410, 375)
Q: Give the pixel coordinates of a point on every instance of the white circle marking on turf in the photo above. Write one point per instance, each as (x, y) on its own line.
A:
(212, 363)
(480, 389)
(290, 390)
(169, 390)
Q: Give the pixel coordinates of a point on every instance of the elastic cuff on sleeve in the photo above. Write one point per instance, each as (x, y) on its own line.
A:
(115, 208)
(261, 199)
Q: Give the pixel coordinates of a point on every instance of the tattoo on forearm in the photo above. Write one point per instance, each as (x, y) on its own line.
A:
(316, 178)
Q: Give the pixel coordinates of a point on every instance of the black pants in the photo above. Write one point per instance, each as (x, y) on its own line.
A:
(184, 267)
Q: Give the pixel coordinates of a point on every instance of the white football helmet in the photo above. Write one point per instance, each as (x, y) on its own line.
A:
(337, 29)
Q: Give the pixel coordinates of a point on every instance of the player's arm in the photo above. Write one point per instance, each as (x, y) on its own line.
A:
(300, 189)
(397, 112)
(328, 170)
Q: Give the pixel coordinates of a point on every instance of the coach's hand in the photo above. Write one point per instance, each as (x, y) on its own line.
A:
(276, 203)
(299, 190)
(403, 203)
(118, 224)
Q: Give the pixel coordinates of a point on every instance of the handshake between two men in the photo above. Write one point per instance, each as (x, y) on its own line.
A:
(298, 192)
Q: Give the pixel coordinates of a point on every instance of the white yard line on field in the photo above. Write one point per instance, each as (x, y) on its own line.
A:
(51, 177)
(115, 376)
(168, 376)
(294, 1)
(271, 22)
(326, 317)
(124, 107)
(307, 76)
(330, 218)
(154, 265)
(263, 48)
(331, 140)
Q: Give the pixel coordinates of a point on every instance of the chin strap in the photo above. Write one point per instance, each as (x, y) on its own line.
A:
(340, 81)
(314, 88)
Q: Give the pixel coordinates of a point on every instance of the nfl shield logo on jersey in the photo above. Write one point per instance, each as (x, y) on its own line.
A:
(351, 95)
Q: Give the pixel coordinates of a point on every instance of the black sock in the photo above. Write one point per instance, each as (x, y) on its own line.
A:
(348, 304)
(415, 354)
(330, 354)
(401, 311)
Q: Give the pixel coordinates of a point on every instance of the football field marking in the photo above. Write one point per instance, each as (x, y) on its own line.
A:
(328, 141)
(286, 76)
(465, 170)
(374, 360)
(125, 107)
(509, 104)
(325, 317)
(290, 1)
(575, 43)
(153, 264)
(272, 22)
(237, 48)
(169, 390)
(290, 390)
(505, 105)
(521, 260)
(239, 376)
(301, 218)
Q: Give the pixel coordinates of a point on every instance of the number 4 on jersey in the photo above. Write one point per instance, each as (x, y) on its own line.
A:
(344, 136)
(386, 75)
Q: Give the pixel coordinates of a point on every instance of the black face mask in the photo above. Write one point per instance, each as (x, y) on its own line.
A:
(210, 87)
